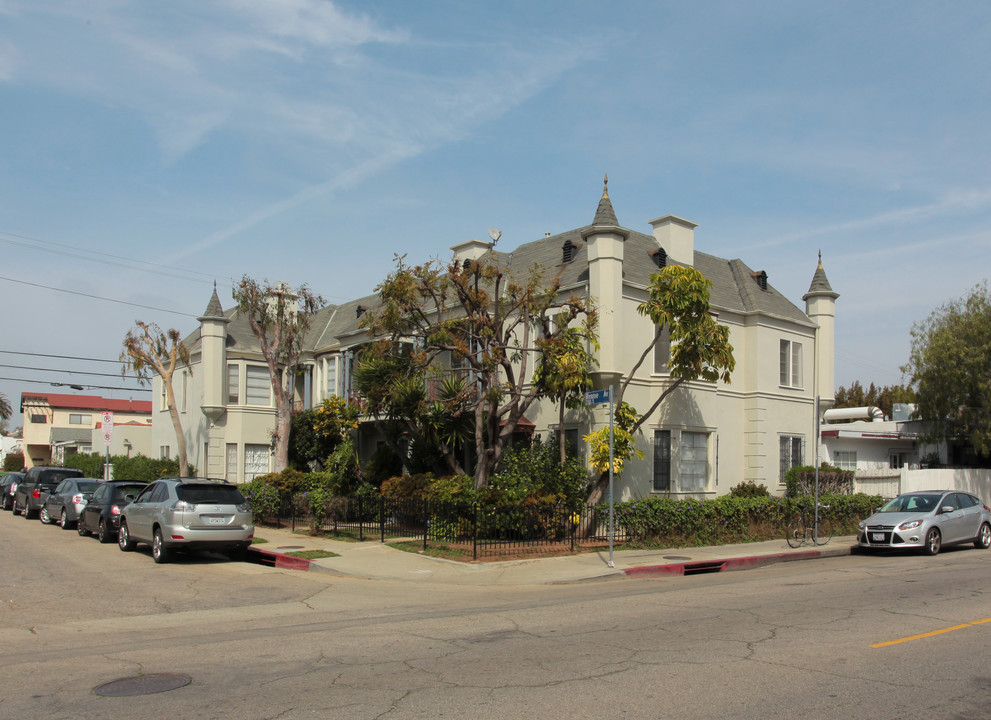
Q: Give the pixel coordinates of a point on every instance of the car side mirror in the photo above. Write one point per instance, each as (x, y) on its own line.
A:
(947, 509)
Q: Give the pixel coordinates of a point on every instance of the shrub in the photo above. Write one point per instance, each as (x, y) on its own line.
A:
(407, 487)
(536, 471)
(264, 499)
(13, 462)
(832, 481)
(749, 489)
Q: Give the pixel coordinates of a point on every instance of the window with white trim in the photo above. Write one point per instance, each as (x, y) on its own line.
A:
(255, 461)
(332, 384)
(185, 390)
(791, 453)
(662, 350)
(662, 460)
(257, 385)
(230, 472)
(845, 459)
(164, 452)
(693, 461)
(78, 419)
(790, 364)
(233, 385)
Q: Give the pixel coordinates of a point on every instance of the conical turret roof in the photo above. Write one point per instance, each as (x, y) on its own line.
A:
(605, 216)
(820, 284)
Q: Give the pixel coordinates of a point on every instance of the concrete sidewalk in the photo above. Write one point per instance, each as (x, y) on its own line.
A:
(373, 560)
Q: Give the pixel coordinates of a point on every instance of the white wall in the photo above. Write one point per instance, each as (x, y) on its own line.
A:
(890, 483)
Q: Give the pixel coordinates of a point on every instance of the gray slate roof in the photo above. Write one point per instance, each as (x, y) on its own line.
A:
(734, 286)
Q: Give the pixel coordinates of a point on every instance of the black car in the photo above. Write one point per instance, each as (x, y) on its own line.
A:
(8, 485)
(64, 504)
(102, 513)
(38, 482)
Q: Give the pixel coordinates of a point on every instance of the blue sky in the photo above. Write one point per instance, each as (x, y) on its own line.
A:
(150, 149)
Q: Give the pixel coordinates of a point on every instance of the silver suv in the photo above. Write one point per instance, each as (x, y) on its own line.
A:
(190, 514)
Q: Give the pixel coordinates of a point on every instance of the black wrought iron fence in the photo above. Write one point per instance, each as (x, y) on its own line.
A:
(481, 530)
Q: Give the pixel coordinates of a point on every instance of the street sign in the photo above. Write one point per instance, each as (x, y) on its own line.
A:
(107, 425)
(597, 397)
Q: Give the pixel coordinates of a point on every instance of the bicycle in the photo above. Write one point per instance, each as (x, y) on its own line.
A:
(818, 532)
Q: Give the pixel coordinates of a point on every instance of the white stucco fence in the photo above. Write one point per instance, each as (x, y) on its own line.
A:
(889, 483)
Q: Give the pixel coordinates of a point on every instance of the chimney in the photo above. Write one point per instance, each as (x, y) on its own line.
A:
(677, 237)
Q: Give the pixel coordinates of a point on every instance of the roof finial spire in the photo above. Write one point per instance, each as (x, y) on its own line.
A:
(820, 259)
(605, 186)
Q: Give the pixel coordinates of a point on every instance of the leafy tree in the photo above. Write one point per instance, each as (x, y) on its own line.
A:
(950, 369)
(486, 319)
(884, 398)
(414, 403)
(148, 350)
(700, 350)
(279, 317)
(564, 373)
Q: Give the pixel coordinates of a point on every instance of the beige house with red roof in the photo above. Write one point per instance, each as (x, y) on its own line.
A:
(56, 425)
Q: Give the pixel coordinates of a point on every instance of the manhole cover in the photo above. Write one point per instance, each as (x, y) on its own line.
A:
(290, 547)
(142, 685)
(676, 557)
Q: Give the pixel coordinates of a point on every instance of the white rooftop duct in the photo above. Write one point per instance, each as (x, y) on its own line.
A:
(873, 414)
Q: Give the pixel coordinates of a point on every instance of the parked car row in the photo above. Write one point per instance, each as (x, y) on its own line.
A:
(169, 514)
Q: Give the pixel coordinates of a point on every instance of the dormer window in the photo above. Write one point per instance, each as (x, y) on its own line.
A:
(360, 310)
(761, 279)
(568, 251)
(660, 257)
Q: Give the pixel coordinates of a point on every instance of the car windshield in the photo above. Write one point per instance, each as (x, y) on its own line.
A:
(912, 503)
(89, 486)
(123, 490)
(216, 494)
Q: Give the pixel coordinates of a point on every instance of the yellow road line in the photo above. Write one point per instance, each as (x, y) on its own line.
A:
(930, 634)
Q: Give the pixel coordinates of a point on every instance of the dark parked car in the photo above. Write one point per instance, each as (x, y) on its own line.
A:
(102, 513)
(38, 482)
(8, 485)
(65, 502)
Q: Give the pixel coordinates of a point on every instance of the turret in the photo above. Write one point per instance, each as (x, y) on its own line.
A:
(213, 357)
(820, 306)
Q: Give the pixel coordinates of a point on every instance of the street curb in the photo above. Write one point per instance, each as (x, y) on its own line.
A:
(729, 564)
(270, 558)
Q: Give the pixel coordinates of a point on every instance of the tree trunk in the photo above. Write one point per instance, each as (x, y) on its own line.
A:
(180, 439)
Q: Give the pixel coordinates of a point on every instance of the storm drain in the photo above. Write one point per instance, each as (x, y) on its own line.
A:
(142, 685)
(700, 568)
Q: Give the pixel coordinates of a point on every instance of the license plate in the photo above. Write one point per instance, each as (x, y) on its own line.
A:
(216, 521)
(877, 537)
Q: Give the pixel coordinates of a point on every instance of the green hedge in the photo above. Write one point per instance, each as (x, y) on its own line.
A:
(136, 467)
(664, 522)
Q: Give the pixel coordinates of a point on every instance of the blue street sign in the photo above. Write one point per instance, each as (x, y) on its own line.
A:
(597, 397)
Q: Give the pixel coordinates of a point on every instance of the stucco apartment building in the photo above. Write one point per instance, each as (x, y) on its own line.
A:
(56, 425)
(704, 439)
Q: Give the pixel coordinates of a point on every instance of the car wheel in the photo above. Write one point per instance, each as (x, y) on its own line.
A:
(933, 541)
(81, 526)
(16, 510)
(102, 533)
(983, 541)
(124, 541)
(44, 516)
(159, 550)
(26, 512)
(6, 502)
(64, 521)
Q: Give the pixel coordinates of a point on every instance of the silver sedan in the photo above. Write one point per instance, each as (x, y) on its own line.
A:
(928, 520)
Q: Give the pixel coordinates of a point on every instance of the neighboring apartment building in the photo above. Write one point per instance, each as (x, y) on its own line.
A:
(704, 439)
(863, 440)
(56, 425)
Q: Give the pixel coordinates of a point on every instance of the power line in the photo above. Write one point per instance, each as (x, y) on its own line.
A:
(152, 267)
(69, 372)
(86, 387)
(97, 297)
(60, 357)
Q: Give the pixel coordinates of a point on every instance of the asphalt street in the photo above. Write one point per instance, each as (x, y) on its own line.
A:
(889, 636)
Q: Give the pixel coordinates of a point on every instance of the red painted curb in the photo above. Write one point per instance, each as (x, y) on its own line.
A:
(277, 559)
(709, 566)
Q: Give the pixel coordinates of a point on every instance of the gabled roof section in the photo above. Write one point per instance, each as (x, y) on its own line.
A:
(59, 401)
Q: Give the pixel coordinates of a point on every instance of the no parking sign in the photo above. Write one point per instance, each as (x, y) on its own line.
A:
(107, 425)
